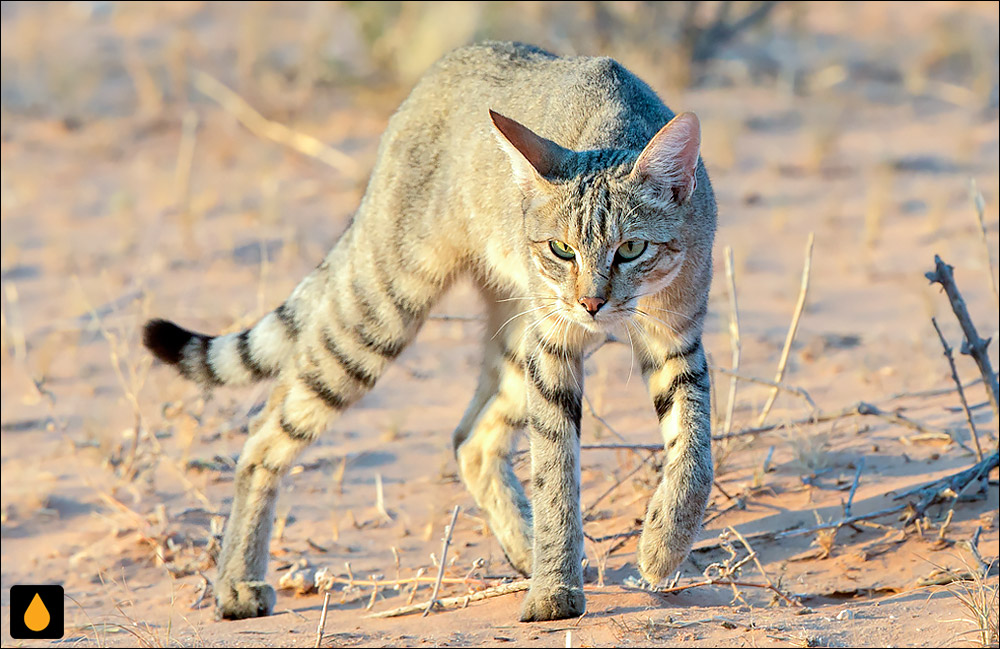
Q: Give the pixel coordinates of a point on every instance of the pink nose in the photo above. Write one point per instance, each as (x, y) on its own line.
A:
(592, 304)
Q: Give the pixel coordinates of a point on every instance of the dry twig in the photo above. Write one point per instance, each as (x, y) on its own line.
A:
(322, 620)
(444, 554)
(710, 581)
(791, 389)
(980, 204)
(950, 486)
(461, 600)
(860, 408)
(734, 339)
(792, 328)
(958, 384)
(274, 131)
(973, 345)
(854, 488)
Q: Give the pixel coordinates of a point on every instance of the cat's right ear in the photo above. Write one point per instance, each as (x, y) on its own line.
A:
(670, 161)
(532, 157)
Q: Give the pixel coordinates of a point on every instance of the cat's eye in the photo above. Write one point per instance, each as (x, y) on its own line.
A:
(630, 250)
(561, 250)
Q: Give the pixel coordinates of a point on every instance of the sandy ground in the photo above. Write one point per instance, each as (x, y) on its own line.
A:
(97, 236)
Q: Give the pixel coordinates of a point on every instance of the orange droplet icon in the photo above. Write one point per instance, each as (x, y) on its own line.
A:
(36, 617)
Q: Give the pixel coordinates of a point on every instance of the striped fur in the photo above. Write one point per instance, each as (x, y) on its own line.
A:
(460, 190)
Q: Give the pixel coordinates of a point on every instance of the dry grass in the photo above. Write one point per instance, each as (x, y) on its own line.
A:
(979, 594)
(189, 185)
(810, 449)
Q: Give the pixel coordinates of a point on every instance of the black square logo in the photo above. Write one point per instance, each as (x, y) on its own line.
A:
(37, 612)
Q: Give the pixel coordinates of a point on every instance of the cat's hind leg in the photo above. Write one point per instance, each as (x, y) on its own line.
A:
(486, 438)
(370, 313)
(240, 589)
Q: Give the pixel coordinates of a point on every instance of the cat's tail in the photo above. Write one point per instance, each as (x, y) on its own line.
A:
(238, 358)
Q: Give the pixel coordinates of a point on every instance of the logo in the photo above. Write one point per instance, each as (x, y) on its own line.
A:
(37, 612)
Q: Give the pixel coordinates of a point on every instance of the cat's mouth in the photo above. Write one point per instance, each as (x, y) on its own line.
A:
(606, 321)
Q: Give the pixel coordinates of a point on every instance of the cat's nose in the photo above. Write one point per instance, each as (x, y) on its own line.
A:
(592, 304)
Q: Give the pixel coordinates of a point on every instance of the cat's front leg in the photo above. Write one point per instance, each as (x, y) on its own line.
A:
(679, 385)
(553, 376)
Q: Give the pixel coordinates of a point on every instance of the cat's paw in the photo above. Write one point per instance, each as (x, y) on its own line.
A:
(657, 560)
(559, 603)
(243, 599)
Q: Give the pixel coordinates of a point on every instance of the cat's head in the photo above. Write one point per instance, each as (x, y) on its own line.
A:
(604, 228)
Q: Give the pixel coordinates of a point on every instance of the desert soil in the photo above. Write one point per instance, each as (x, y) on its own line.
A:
(99, 233)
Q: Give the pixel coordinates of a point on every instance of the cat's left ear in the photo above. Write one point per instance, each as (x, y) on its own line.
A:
(532, 157)
(670, 160)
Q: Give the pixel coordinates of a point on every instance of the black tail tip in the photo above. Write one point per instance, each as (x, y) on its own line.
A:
(166, 340)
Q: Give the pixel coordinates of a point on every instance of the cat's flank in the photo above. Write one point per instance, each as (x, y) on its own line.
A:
(578, 203)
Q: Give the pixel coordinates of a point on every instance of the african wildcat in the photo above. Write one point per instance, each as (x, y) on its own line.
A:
(610, 230)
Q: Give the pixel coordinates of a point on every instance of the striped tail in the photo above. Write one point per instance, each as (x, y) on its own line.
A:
(239, 358)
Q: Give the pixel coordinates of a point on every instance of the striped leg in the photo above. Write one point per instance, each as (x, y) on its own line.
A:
(365, 323)
(554, 386)
(240, 590)
(487, 436)
(679, 385)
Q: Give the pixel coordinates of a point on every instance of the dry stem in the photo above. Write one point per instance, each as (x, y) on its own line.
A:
(954, 485)
(860, 408)
(734, 339)
(793, 327)
(973, 345)
(854, 488)
(958, 384)
(274, 131)
(980, 204)
(444, 554)
(322, 620)
(461, 600)
(791, 389)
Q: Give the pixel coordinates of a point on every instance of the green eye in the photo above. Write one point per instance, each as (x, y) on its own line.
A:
(561, 250)
(630, 250)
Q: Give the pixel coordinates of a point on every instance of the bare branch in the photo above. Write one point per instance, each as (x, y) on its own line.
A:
(461, 600)
(262, 127)
(734, 338)
(791, 389)
(961, 392)
(792, 328)
(980, 204)
(973, 345)
(444, 554)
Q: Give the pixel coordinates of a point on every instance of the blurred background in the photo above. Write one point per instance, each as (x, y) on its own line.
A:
(84, 60)
(194, 160)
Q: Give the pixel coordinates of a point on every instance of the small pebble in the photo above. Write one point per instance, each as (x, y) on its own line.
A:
(846, 614)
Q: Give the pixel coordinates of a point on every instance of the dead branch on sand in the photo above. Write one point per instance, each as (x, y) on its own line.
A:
(973, 345)
(951, 486)
(725, 573)
(460, 600)
(961, 391)
(862, 408)
(444, 553)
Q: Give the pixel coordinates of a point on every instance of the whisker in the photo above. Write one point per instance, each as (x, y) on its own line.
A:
(631, 345)
(537, 322)
(655, 319)
(514, 317)
(647, 343)
(534, 351)
(683, 315)
(565, 329)
(527, 297)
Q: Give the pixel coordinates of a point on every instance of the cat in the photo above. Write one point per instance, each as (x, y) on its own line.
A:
(597, 219)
